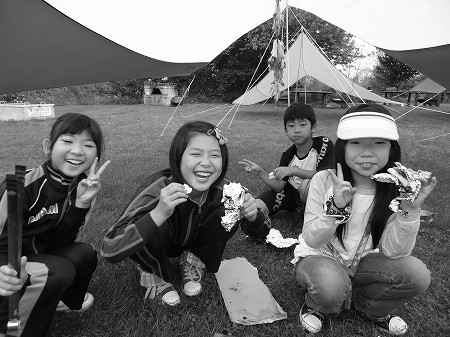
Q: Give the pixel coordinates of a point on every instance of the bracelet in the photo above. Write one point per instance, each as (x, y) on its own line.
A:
(335, 206)
(342, 215)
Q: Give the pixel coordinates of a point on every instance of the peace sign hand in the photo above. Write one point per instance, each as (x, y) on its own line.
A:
(342, 190)
(88, 188)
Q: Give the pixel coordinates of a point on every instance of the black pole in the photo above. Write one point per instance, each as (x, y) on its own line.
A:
(15, 187)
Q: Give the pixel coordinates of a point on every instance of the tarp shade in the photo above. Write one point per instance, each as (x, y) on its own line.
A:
(40, 47)
(427, 85)
(304, 59)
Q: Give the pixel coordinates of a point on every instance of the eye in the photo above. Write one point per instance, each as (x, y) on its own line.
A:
(91, 146)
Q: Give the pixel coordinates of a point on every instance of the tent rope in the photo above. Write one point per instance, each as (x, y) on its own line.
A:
(175, 110)
(445, 134)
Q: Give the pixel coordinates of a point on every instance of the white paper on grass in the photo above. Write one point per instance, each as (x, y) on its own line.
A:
(246, 297)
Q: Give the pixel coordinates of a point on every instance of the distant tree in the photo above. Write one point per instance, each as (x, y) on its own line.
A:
(390, 72)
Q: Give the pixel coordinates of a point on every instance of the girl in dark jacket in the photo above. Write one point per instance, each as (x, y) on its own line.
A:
(55, 269)
(179, 212)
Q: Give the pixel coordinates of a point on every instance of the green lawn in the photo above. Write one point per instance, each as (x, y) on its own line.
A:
(136, 148)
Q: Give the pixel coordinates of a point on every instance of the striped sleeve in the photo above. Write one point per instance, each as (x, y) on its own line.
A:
(130, 233)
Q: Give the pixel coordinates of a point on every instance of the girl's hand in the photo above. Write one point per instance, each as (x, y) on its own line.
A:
(249, 209)
(427, 186)
(88, 188)
(251, 167)
(281, 172)
(9, 283)
(342, 190)
(170, 196)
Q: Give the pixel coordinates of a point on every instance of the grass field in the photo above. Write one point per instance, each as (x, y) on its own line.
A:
(136, 147)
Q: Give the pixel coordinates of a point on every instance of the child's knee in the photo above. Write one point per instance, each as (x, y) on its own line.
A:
(421, 276)
(87, 262)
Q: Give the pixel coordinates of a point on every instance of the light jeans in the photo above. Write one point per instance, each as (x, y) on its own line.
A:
(379, 287)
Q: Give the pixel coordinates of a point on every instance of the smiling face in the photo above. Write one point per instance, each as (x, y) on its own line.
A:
(201, 163)
(72, 154)
(366, 156)
(299, 131)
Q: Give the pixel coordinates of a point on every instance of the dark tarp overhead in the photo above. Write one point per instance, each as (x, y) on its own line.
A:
(432, 62)
(428, 86)
(42, 48)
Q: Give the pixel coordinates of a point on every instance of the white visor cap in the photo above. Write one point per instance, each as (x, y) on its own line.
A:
(367, 124)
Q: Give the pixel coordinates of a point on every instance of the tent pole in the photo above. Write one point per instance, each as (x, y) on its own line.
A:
(287, 48)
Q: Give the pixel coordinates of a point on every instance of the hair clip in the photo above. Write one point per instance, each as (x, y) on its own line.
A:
(219, 135)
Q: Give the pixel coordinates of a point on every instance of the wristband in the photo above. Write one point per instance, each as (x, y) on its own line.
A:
(342, 215)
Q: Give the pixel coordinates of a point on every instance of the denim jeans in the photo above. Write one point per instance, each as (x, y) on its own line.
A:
(379, 287)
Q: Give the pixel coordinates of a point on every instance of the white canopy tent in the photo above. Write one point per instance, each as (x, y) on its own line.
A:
(304, 58)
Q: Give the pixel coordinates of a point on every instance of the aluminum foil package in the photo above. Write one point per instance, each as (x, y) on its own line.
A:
(407, 181)
(233, 199)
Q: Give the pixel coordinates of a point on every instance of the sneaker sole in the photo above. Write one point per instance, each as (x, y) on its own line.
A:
(191, 294)
(308, 327)
(173, 304)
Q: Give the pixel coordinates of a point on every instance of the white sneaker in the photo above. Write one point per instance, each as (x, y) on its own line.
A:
(311, 320)
(191, 279)
(87, 303)
(394, 325)
(165, 293)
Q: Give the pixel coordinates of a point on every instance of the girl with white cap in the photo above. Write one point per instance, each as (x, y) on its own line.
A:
(355, 252)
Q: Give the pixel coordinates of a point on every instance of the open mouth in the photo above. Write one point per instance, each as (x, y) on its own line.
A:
(202, 175)
(74, 162)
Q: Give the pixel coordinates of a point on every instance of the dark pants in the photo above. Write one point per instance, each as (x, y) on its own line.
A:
(61, 273)
(207, 241)
(288, 199)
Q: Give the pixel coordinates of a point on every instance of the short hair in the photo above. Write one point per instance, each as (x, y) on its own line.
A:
(180, 142)
(299, 111)
(73, 123)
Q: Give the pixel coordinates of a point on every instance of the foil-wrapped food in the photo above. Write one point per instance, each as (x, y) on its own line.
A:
(233, 199)
(187, 188)
(407, 181)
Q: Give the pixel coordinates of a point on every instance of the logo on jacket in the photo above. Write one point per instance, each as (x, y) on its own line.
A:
(53, 209)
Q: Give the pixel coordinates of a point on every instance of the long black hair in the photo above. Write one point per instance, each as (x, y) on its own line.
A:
(384, 192)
